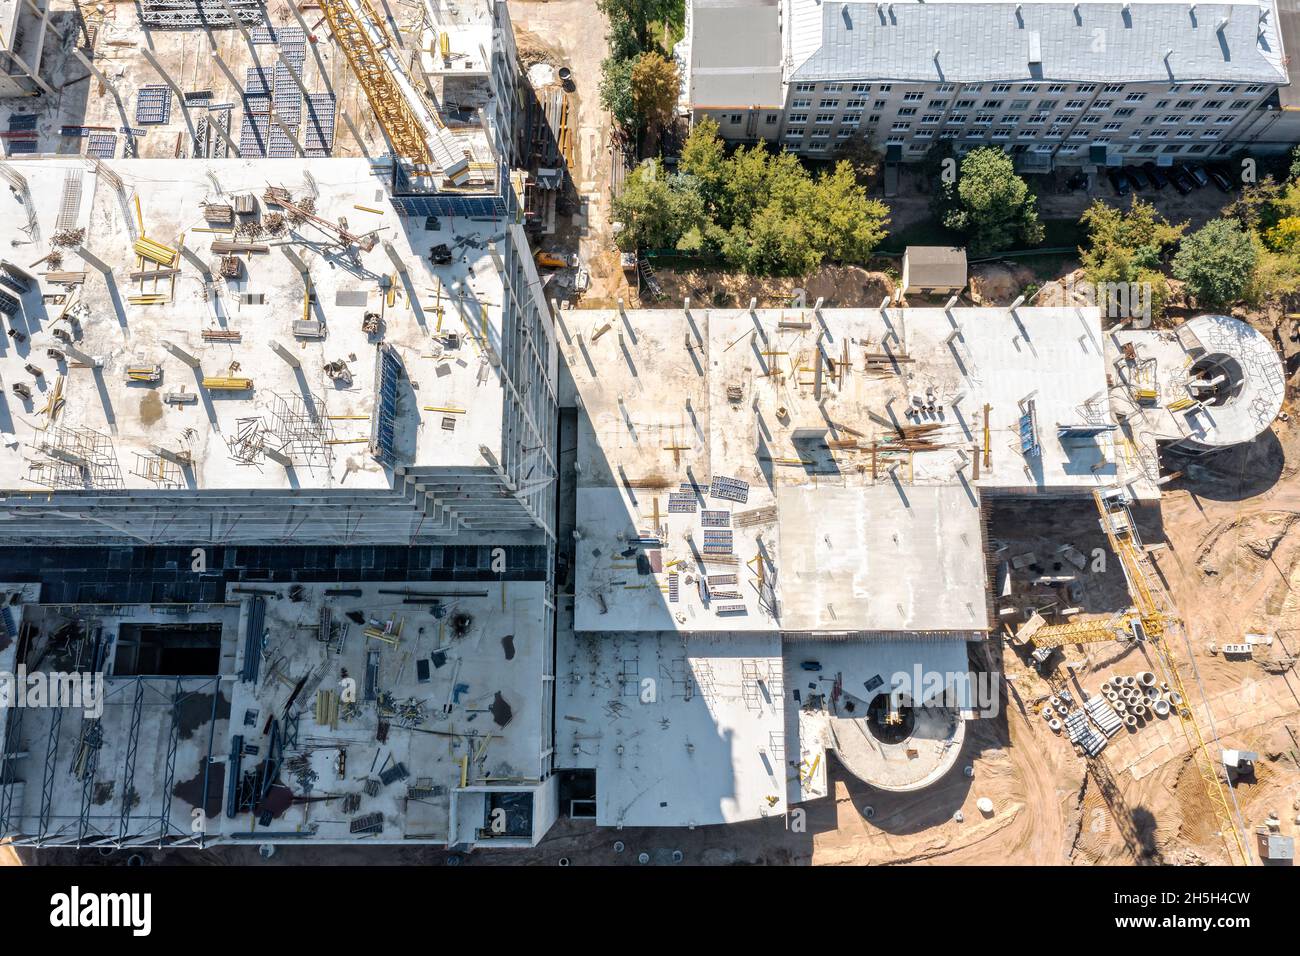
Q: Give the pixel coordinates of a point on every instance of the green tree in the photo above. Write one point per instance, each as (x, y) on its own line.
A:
(655, 88)
(992, 206)
(616, 91)
(1256, 205)
(704, 157)
(1128, 246)
(657, 211)
(1217, 262)
(636, 16)
(1295, 163)
(846, 225)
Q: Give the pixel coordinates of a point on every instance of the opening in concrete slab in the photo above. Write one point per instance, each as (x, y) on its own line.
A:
(174, 650)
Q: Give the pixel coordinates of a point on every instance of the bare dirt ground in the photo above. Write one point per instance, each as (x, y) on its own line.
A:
(572, 33)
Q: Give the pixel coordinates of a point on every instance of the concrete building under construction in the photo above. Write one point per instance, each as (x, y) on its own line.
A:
(321, 523)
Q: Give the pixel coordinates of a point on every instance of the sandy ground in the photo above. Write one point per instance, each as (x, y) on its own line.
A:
(572, 33)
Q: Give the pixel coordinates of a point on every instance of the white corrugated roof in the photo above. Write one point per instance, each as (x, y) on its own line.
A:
(960, 41)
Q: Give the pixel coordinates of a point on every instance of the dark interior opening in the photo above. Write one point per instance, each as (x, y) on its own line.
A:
(878, 719)
(170, 650)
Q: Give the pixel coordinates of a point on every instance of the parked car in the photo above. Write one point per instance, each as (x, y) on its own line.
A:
(1221, 179)
(1154, 176)
(1181, 181)
(1119, 181)
(1197, 174)
(1077, 181)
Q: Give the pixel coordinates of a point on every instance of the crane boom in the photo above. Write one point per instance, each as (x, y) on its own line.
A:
(347, 21)
(1160, 621)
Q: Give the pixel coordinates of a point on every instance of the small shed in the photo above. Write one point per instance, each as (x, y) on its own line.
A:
(934, 270)
(1274, 847)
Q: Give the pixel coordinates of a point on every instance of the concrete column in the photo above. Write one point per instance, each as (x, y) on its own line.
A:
(278, 457)
(181, 354)
(285, 354)
(393, 257)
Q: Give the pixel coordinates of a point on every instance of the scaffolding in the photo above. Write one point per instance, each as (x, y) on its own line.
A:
(18, 183)
(73, 459)
(199, 14)
(303, 429)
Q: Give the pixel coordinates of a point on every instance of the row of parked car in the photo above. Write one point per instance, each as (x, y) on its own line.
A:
(1183, 178)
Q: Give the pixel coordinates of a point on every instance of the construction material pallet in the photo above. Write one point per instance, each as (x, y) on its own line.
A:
(679, 503)
(729, 489)
(715, 519)
(153, 105)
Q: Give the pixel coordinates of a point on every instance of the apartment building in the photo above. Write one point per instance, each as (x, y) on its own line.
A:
(1057, 84)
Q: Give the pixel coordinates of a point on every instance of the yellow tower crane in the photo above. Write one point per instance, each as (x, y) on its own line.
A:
(1155, 620)
(358, 31)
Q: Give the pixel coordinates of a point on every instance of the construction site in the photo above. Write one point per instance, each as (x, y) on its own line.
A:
(365, 528)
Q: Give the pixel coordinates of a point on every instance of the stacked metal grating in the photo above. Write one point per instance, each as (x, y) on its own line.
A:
(197, 14)
(730, 489)
(153, 105)
(254, 135)
(319, 126)
(286, 97)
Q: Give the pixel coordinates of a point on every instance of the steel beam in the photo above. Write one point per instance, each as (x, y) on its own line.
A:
(128, 766)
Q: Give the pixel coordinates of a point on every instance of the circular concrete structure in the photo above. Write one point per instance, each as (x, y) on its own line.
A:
(1236, 375)
(899, 761)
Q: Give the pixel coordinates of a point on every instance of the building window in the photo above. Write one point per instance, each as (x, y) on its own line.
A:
(1028, 87)
(1112, 127)
(1199, 88)
(993, 104)
(907, 111)
(964, 104)
(915, 96)
(734, 118)
(1019, 105)
(1147, 148)
(900, 127)
(956, 119)
(945, 88)
(1135, 98)
(1089, 87)
(1254, 88)
(1073, 105)
(794, 132)
(800, 104)
(1223, 120)
(1228, 88)
(879, 105)
(1101, 105)
(1213, 104)
(832, 87)
(1002, 132)
(1239, 104)
(855, 104)
(798, 117)
(1090, 121)
(771, 119)
(884, 87)
(983, 119)
(1124, 111)
(1171, 148)
(830, 103)
(1056, 88)
(1198, 147)
(1113, 88)
(825, 118)
(1182, 104)
(805, 87)
(929, 119)
(860, 88)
